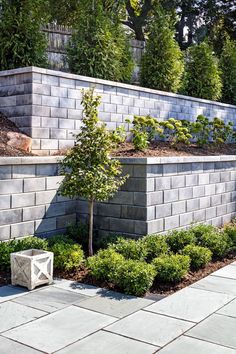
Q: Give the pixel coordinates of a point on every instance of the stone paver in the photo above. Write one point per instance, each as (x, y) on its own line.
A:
(229, 310)
(217, 284)
(8, 346)
(79, 288)
(10, 292)
(190, 304)
(226, 272)
(59, 329)
(50, 299)
(15, 314)
(108, 343)
(217, 329)
(187, 345)
(115, 304)
(150, 328)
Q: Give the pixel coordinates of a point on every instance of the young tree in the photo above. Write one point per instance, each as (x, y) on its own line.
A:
(99, 47)
(88, 169)
(162, 63)
(228, 68)
(21, 41)
(202, 74)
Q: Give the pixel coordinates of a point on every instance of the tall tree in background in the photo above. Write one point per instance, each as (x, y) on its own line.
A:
(21, 41)
(162, 63)
(228, 68)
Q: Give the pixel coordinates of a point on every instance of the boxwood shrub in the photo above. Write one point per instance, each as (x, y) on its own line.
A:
(218, 242)
(67, 256)
(199, 256)
(230, 230)
(177, 240)
(155, 246)
(130, 249)
(201, 229)
(171, 268)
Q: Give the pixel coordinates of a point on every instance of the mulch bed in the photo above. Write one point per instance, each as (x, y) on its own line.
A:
(161, 148)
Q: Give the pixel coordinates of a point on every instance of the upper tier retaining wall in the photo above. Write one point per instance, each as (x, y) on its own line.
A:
(46, 104)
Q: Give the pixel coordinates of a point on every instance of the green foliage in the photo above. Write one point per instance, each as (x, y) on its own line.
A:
(171, 268)
(88, 169)
(59, 239)
(199, 256)
(162, 63)
(228, 68)
(21, 41)
(67, 256)
(201, 229)
(134, 277)
(176, 131)
(6, 248)
(221, 132)
(177, 240)
(218, 242)
(155, 246)
(230, 230)
(99, 46)
(130, 249)
(105, 264)
(202, 74)
(201, 130)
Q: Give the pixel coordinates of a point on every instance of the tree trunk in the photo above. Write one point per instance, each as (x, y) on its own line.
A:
(90, 245)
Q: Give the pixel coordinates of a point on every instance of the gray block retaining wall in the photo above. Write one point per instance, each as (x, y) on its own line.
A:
(161, 194)
(46, 105)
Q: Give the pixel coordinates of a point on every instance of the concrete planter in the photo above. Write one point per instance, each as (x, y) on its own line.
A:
(31, 268)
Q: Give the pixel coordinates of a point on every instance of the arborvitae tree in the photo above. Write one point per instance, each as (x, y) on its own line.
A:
(88, 169)
(162, 63)
(228, 68)
(99, 47)
(21, 41)
(202, 73)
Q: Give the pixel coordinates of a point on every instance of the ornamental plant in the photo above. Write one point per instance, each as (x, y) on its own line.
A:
(99, 46)
(202, 73)
(162, 63)
(201, 130)
(21, 41)
(221, 132)
(176, 131)
(88, 169)
(171, 268)
(199, 256)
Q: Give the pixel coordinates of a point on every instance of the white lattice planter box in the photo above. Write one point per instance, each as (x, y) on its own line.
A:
(31, 268)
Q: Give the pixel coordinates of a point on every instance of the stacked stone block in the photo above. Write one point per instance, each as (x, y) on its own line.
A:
(29, 202)
(46, 105)
(163, 194)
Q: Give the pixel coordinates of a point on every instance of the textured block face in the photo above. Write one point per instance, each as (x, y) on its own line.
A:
(31, 268)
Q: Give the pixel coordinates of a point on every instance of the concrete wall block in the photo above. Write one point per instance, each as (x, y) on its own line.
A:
(221, 209)
(11, 186)
(113, 210)
(155, 226)
(123, 197)
(46, 170)
(40, 133)
(116, 99)
(141, 227)
(193, 204)
(216, 200)
(210, 189)
(58, 112)
(199, 215)
(50, 80)
(220, 188)
(41, 89)
(226, 198)
(179, 207)
(33, 213)
(197, 167)
(155, 171)
(177, 181)
(44, 225)
(230, 186)
(204, 178)
(10, 216)
(5, 172)
(163, 211)
(139, 185)
(55, 209)
(225, 176)
(111, 108)
(205, 202)
(61, 92)
(53, 182)
(186, 219)
(191, 180)
(49, 122)
(198, 191)
(23, 200)
(162, 183)
(231, 207)
(8, 101)
(42, 111)
(154, 198)
(215, 177)
(171, 195)
(22, 229)
(184, 168)
(49, 144)
(66, 220)
(128, 101)
(186, 193)
(169, 169)
(217, 221)
(46, 197)
(5, 202)
(137, 213)
(171, 222)
(26, 99)
(233, 175)
(140, 198)
(4, 233)
(69, 103)
(209, 167)
(139, 171)
(50, 101)
(69, 83)
(66, 124)
(122, 225)
(210, 213)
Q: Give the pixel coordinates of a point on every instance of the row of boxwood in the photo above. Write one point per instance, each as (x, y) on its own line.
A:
(134, 265)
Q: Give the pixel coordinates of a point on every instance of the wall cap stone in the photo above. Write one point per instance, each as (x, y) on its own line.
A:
(30, 160)
(34, 69)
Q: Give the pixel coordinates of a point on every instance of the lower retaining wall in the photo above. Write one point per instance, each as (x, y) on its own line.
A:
(161, 194)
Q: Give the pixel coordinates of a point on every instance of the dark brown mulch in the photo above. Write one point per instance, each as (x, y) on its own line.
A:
(5, 278)
(161, 148)
(8, 126)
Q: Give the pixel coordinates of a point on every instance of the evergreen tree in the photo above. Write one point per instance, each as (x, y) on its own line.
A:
(162, 63)
(228, 68)
(99, 47)
(21, 41)
(202, 74)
